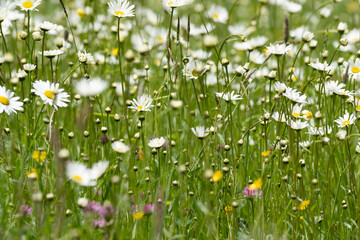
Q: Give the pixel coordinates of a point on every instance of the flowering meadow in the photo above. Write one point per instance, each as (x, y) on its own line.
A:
(179, 119)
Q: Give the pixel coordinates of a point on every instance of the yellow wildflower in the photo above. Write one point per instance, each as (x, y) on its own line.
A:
(217, 176)
(256, 185)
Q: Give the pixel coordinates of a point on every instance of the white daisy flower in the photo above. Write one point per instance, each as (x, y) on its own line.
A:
(90, 87)
(86, 58)
(319, 131)
(142, 104)
(280, 87)
(278, 117)
(47, 26)
(9, 103)
(322, 67)
(278, 49)
(229, 96)
(191, 69)
(294, 95)
(331, 87)
(174, 3)
(121, 8)
(250, 44)
(218, 14)
(52, 53)
(51, 94)
(257, 57)
(156, 142)
(305, 144)
(296, 111)
(346, 120)
(357, 150)
(120, 147)
(29, 67)
(28, 5)
(341, 134)
(200, 131)
(298, 124)
(79, 173)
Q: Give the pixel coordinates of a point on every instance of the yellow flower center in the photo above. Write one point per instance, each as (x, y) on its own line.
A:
(308, 115)
(194, 73)
(49, 94)
(27, 4)
(215, 15)
(120, 149)
(121, 13)
(357, 108)
(170, 3)
(160, 38)
(77, 178)
(140, 107)
(4, 100)
(345, 123)
(355, 70)
(295, 114)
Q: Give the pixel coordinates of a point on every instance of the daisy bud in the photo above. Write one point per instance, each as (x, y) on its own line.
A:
(103, 129)
(154, 151)
(68, 212)
(240, 71)
(285, 160)
(191, 193)
(82, 202)
(302, 162)
(49, 196)
(23, 35)
(144, 49)
(272, 75)
(342, 27)
(240, 142)
(341, 134)
(175, 183)
(64, 154)
(313, 44)
(226, 161)
(225, 169)
(325, 140)
(176, 104)
(267, 116)
(325, 54)
(37, 197)
(71, 135)
(59, 42)
(314, 181)
(137, 135)
(340, 61)
(208, 174)
(182, 169)
(117, 117)
(86, 134)
(210, 41)
(147, 169)
(224, 62)
(108, 110)
(307, 36)
(129, 55)
(318, 115)
(344, 42)
(36, 36)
